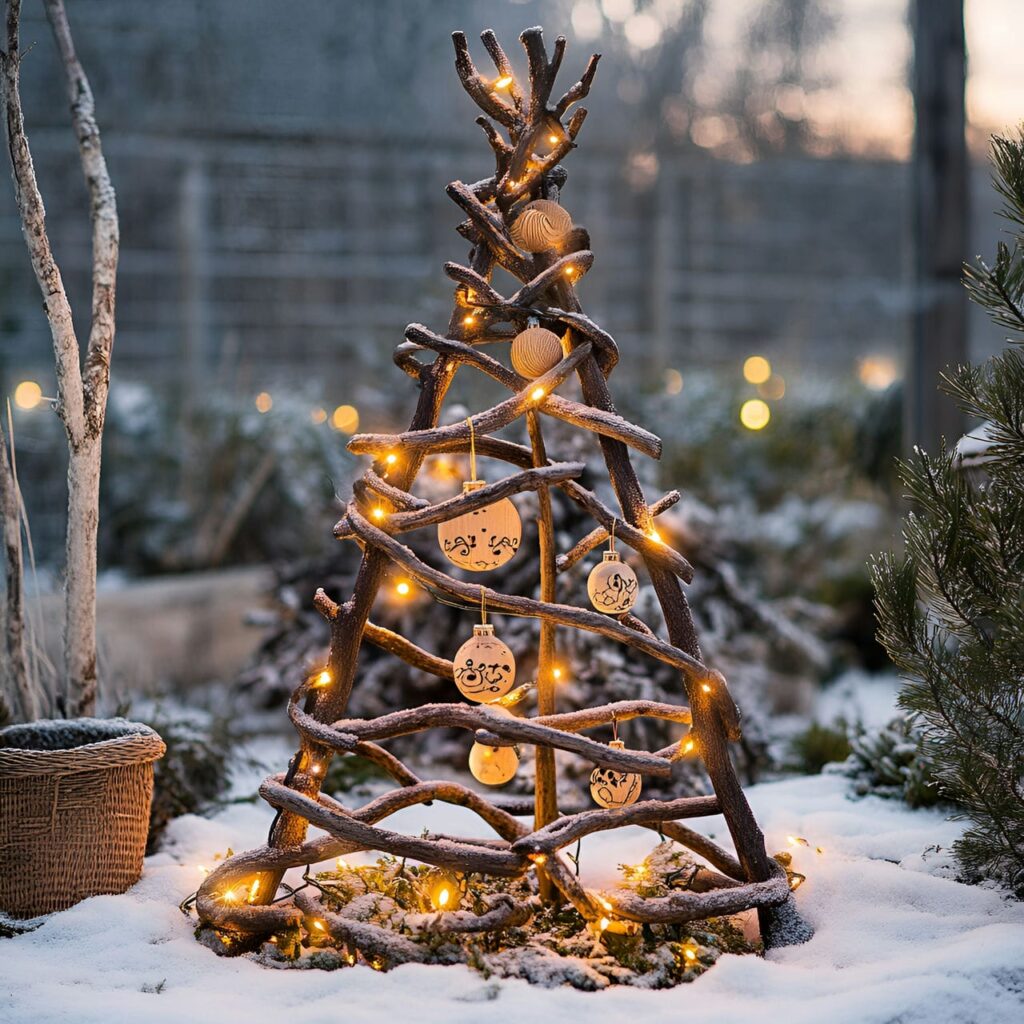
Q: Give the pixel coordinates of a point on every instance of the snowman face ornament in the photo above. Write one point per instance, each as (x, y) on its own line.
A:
(613, 789)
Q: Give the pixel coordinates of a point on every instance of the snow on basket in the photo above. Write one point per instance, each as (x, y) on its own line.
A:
(74, 810)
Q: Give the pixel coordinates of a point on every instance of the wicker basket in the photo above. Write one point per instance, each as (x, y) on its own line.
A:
(74, 810)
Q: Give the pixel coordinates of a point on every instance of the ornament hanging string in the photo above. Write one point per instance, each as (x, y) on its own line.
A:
(611, 537)
(615, 727)
(472, 449)
(483, 607)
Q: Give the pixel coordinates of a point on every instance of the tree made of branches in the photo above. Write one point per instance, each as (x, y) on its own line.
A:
(530, 134)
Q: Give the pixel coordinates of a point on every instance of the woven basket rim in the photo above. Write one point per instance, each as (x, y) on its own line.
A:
(133, 743)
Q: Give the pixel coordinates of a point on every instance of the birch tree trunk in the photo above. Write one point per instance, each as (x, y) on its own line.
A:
(81, 387)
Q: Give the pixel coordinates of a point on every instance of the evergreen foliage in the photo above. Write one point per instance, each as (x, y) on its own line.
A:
(951, 608)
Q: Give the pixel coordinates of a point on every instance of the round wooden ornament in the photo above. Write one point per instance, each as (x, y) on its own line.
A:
(612, 585)
(610, 788)
(485, 668)
(542, 225)
(535, 351)
(493, 766)
(482, 539)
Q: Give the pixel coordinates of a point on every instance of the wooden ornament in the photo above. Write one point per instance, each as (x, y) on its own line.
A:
(542, 225)
(485, 668)
(483, 539)
(612, 585)
(493, 766)
(610, 788)
(535, 351)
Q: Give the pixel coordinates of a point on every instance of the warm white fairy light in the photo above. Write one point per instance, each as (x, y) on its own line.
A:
(28, 394)
(537, 394)
(504, 82)
(403, 588)
(379, 513)
(391, 458)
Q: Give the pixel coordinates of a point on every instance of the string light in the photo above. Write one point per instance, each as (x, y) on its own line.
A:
(504, 82)
(469, 319)
(254, 889)
(444, 893)
(378, 513)
(403, 588)
(652, 534)
(537, 394)
(264, 403)
(229, 896)
(705, 687)
(553, 139)
(689, 952)
(323, 679)
(687, 745)
(557, 673)
(342, 864)
(569, 271)
(603, 923)
(391, 459)
(538, 858)
(319, 926)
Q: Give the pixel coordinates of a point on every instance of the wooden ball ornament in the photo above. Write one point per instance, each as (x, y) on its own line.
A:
(610, 788)
(612, 585)
(485, 668)
(493, 766)
(542, 225)
(535, 351)
(483, 539)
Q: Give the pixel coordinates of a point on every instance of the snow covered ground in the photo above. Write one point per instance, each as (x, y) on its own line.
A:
(895, 940)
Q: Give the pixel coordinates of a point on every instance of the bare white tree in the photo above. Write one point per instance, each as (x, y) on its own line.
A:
(82, 386)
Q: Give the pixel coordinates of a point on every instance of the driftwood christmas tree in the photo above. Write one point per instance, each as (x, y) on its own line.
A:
(514, 221)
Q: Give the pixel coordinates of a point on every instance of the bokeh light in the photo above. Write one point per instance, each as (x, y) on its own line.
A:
(755, 414)
(346, 419)
(673, 382)
(264, 403)
(756, 369)
(877, 372)
(28, 394)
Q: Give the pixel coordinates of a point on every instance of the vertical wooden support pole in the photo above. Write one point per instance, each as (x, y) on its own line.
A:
(940, 168)
(545, 792)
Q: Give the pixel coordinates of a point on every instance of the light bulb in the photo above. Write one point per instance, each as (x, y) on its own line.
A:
(537, 394)
(504, 82)
(391, 459)
(378, 513)
(403, 588)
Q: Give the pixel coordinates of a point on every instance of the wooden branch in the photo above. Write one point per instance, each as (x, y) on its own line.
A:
(502, 912)
(599, 536)
(15, 680)
(345, 733)
(492, 229)
(470, 501)
(480, 90)
(500, 415)
(371, 940)
(502, 65)
(580, 89)
(714, 854)
(564, 615)
(680, 907)
(453, 856)
(554, 405)
(396, 644)
(568, 829)
(401, 499)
